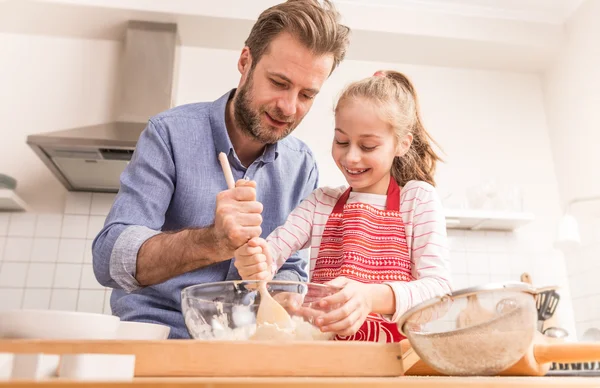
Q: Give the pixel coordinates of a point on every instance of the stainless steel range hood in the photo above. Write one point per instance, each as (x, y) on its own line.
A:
(92, 158)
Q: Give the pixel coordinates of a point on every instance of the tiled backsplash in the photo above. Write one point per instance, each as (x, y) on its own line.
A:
(46, 260)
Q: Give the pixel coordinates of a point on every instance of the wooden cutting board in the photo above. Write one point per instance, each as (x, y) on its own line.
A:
(193, 358)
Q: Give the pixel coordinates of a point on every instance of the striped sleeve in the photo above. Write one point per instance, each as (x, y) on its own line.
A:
(425, 223)
(295, 234)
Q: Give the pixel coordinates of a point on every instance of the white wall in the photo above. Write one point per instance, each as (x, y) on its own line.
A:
(49, 83)
(572, 87)
(492, 125)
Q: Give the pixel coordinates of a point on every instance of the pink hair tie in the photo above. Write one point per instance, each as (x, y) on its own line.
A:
(379, 74)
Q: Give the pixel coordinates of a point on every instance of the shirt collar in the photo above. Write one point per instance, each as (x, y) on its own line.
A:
(220, 135)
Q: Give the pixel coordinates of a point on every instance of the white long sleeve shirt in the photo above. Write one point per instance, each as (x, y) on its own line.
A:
(425, 228)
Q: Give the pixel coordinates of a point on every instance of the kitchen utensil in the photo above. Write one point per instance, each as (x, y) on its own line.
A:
(229, 310)
(226, 170)
(525, 278)
(546, 303)
(269, 311)
(556, 332)
(55, 324)
(536, 361)
(481, 348)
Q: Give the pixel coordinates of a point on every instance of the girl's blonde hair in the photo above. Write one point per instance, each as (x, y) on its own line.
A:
(394, 96)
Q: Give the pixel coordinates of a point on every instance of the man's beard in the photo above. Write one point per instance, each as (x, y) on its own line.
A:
(249, 121)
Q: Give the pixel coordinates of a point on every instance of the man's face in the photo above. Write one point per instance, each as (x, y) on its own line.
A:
(276, 94)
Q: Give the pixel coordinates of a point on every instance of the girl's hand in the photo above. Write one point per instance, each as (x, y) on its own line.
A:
(253, 260)
(351, 305)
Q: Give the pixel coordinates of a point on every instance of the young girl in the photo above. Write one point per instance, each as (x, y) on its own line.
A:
(382, 238)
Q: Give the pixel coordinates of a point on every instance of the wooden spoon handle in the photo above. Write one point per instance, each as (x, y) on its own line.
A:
(525, 278)
(226, 170)
(566, 352)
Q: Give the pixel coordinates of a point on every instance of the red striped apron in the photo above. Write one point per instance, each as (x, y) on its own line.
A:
(367, 245)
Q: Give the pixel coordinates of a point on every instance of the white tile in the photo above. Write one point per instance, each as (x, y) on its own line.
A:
(2, 244)
(78, 203)
(581, 327)
(95, 225)
(18, 249)
(71, 250)
(475, 241)
(477, 263)
(45, 250)
(65, 300)
(578, 308)
(91, 301)
(48, 225)
(519, 243)
(37, 299)
(495, 241)
(13, 274)
(477, 280)
(585, 312)
(74, 226)
(520, 264)
(87, 253)
(499, 263)
(589, 284)
(576, 281)
(458, 262)
(501, 278)
(4, 220)
(460, 281)
(595, 306)
(67, 276)
(11, 298)
(456, 239)
(88, 279)
(21, 225)
(101, 203)
(40, 275)
(107, 309)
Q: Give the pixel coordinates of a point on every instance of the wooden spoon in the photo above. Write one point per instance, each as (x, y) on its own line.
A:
(269, 311)
(525, 278)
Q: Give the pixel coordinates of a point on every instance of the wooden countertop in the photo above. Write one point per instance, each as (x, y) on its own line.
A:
(332, 382)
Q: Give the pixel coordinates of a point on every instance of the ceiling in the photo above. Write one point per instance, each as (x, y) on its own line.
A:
(539, 11)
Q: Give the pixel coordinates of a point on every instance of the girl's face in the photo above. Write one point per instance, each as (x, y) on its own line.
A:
(364, 146)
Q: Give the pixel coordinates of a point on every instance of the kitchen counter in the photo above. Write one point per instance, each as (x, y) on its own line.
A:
(282, 382)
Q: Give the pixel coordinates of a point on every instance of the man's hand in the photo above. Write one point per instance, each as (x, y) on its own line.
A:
(237, 217)
(253, 260)
(353, 304)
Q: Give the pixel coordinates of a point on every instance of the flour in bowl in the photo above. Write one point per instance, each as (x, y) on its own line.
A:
(246, 328)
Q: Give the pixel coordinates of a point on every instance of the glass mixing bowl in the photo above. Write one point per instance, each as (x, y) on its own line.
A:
(227, 310)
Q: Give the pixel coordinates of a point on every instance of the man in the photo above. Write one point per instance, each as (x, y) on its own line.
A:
(173, 223)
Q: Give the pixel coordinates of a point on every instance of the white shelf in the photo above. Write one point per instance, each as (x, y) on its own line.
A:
(10, 201)
(471, 219)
